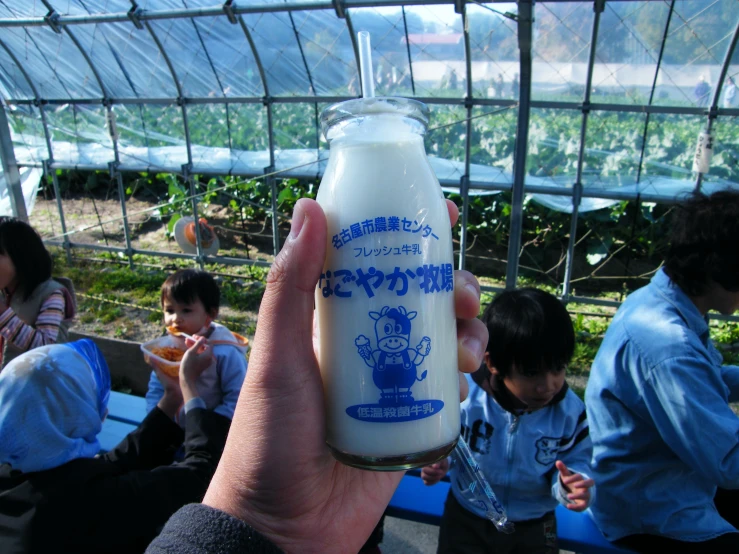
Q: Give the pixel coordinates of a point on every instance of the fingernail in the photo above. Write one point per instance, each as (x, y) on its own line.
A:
(473, 289)
(474, 345)
(297, 222)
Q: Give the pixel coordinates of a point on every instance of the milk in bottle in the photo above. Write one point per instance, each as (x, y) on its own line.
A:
(385, 299)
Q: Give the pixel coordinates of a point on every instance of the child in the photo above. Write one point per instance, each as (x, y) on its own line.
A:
(35, 309)
(527, 430)
(190, 302)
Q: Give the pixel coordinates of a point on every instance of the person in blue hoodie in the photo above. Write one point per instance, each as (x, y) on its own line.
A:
(665, 440)
(527, 430)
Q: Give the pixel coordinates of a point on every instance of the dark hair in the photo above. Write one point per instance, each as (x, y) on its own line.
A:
(23, 245)
(704, 243)
(529, 328)
(188, 285)
(481, 374)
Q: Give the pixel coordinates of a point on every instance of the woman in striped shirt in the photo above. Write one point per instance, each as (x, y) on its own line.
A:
(35, 309)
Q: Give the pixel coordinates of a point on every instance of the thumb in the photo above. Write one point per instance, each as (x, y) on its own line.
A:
(283, 340)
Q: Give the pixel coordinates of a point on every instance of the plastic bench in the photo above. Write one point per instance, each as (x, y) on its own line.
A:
(416, 502)
(125, 412)
(126, 408)
(113, 433)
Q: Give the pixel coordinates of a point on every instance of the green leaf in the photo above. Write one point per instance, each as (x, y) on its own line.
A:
(286, 194)
(175, 190)
(172, 221)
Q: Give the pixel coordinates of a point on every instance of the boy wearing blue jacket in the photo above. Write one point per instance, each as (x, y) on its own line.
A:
(526, 429)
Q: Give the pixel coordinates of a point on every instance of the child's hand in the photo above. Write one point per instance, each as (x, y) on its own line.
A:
(171, 401)
(430, 475)
(576, 485)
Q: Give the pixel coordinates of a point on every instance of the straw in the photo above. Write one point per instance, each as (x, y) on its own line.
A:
(365, 65)
(476, 489)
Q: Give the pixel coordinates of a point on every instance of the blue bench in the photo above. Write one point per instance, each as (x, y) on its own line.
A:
(126, 408)
(412, 500)
(415, 501)
(125, 412)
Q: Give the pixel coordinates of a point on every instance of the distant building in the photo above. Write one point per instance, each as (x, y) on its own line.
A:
(427, 39)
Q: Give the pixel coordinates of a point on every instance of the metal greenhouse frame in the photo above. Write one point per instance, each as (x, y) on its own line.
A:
(234, 12)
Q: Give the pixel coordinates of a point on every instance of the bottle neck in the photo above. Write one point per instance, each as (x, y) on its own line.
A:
(379, 128)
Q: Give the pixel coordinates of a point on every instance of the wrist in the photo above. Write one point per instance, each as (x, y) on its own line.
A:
(189, 389)
(170, 404)
(232, 505)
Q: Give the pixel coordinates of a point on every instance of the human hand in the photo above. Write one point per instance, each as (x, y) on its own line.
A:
(430, 475)
(277, 473)
(198, 357)
(577, 487)
(171, 400)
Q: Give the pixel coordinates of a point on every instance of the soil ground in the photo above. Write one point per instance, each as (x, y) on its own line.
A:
(134, 320)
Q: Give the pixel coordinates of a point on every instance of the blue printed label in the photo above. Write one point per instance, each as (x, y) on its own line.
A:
(418, 409)
(382, 224)
(428, 278)
(395, 369)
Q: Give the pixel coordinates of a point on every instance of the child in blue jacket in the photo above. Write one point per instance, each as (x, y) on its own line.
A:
(526, 429)
(190, 302)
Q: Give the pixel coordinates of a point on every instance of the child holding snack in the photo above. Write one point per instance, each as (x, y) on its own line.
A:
(526, 429)
(35, 309)
(190, 302)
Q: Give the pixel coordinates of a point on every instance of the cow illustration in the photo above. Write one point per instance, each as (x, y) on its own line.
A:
(394, 364)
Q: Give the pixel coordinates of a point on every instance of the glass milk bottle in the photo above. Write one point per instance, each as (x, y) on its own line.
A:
(385, 299)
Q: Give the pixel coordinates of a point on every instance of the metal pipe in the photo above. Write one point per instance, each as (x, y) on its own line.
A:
(713, 108)
(408, 50)
(149, 15)
(187, 175)
(271, 182)
(36, 102)
(116, 174)
(10, 169)
(613, 194)
(654, 86)
(257, 60)
(525, 20)
(175, 255)
(215, 74)
(57, 194)
(598, 7)
(180, 99)
(594, 106)
(465, 180)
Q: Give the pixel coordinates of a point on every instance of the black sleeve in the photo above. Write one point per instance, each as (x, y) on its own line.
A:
(152, 444)
(130, 507)
(199, 529)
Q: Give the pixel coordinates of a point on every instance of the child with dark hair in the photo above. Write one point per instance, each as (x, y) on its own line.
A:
(664, 434)
(35, 309)
(526, 429)
(190, 302)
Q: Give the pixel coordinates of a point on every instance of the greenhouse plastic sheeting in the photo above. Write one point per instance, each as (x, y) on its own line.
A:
(187, 84)
(30, 180)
